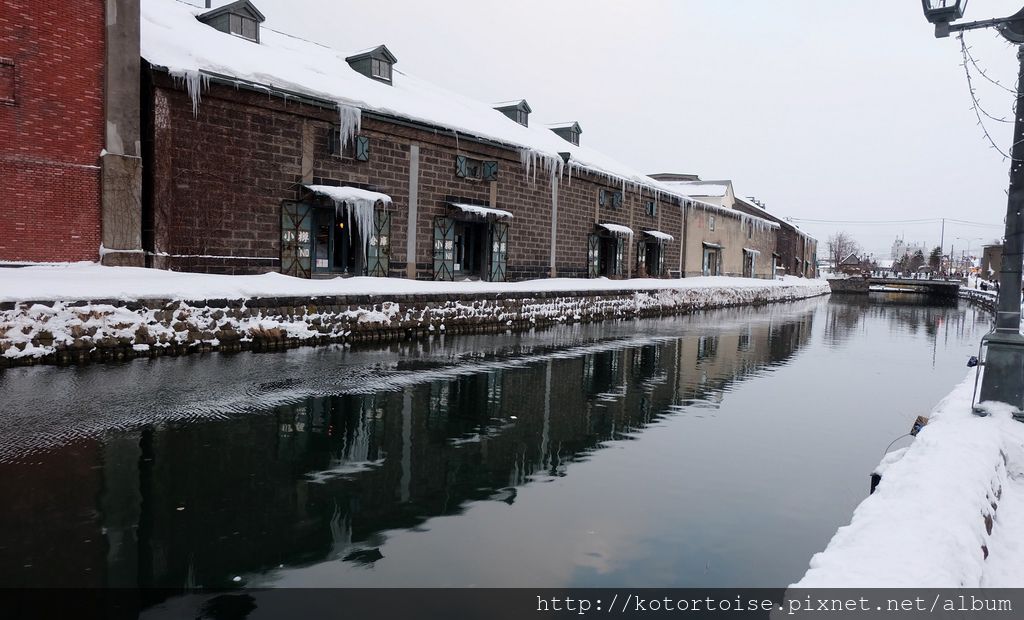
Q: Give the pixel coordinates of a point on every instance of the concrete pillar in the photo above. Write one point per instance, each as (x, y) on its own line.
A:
(414, 196)
(121, 161)
(552, 268)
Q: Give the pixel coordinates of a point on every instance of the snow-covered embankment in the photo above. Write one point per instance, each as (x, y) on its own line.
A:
(86, 313)
(949, 511)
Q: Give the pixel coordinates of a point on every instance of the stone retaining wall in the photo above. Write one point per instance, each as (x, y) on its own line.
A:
(111, 330)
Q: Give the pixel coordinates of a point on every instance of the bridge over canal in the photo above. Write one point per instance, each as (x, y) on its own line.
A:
(934, 288)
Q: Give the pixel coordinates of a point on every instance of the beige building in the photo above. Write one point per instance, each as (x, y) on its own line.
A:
(718, 238)
(725, 242)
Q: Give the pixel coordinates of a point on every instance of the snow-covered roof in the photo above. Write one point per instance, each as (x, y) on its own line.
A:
(349, 194)
(172, 38)
(618, 229)
(482, 211)
(657, 234)
(701, 188)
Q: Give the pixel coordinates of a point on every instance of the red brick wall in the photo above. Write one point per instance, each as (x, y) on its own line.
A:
(52, 133)
(219, 178)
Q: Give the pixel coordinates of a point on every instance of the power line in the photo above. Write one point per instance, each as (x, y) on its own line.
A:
(935, 220)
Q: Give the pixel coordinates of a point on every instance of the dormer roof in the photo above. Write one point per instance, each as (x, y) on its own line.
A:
(239, 6)
(569, 132)
(381, 52)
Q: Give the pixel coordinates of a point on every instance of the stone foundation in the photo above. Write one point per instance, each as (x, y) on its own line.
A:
(110, 330)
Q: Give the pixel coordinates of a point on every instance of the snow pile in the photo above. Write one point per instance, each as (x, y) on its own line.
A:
(89, 281)
(953, 498)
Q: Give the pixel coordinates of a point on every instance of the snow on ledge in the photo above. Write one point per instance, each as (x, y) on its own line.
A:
(352, 195)
(618, 229)
(657, 234)
(481, 211)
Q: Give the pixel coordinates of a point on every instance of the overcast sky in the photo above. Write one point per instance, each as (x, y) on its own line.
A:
(822, 109)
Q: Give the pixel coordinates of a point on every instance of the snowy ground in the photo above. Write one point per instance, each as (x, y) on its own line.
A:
(954, 495)
(89, 281)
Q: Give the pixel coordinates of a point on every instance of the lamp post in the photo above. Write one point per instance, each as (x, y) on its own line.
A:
(969, 240)
(1004, 363)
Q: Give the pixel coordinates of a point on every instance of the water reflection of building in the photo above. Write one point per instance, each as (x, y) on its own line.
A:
(200, 503)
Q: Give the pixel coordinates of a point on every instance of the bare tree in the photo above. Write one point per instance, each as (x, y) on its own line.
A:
(840, 246)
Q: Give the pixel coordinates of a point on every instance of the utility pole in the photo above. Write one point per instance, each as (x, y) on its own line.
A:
(942, 243)
(1004, 363)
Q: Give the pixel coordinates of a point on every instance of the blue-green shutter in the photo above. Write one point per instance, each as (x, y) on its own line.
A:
(490, 171)
(296, 239)
(444, 248)
(499, 251)
(617, 200)
(593, 256)
(461, 166)
(362, 148)
(378, 254)
(620, 251)
(602, 197)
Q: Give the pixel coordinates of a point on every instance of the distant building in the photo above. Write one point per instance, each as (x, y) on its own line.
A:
(991, 261)
(901, 248)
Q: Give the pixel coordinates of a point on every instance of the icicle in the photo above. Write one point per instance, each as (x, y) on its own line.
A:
(350, 120)
(362, 212)
(195, 82)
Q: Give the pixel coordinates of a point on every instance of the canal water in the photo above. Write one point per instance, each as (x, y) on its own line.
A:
(718, 449)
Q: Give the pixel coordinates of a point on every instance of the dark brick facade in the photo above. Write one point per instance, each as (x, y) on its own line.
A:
(51, 129)
(798, 252)
(218, 179)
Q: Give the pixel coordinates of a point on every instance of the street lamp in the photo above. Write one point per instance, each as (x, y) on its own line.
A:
(1004, 363)
(969, 240)
(941, 12)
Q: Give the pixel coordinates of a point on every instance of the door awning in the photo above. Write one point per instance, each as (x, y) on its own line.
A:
(350, 195)
(657, 234)
(481, 211)
(713, 246)
(617, 229)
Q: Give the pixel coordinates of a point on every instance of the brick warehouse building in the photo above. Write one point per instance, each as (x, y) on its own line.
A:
(263, 152)
(240, 182)
(70, 167)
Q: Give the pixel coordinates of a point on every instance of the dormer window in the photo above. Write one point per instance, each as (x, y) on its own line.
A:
(570, 132)
(239, 18)
(374, 63)
(244, 27)
(380, 69)
(518, 110)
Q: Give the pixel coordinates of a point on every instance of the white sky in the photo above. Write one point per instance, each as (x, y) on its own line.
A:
(822, 109)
